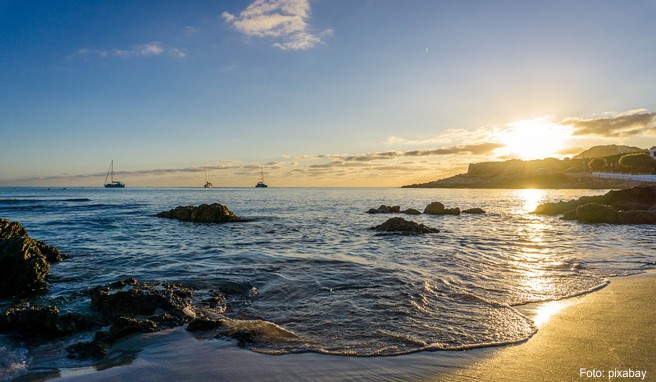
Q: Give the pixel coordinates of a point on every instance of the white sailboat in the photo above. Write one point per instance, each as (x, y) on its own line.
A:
(113, 183)
(207, 180)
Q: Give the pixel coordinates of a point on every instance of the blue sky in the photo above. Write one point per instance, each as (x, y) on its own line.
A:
(321, 93)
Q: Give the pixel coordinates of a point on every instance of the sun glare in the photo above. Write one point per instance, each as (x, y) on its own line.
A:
(533, 139)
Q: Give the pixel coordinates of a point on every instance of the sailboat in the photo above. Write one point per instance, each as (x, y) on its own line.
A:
(113, 183)
(261, 182)
(207, 180)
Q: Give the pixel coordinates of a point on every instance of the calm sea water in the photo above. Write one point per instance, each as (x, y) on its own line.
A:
(309, 263)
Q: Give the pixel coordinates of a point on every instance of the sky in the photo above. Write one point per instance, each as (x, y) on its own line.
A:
(317, 93)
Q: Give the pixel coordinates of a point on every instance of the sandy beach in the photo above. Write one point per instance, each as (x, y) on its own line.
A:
(606, 335)
(593, 337)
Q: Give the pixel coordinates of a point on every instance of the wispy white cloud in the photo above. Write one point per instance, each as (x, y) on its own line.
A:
(190, 31)
(283, 21)
(449, 137)
(141, 50)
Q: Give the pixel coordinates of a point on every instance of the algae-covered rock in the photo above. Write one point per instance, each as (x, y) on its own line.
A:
(600, 213)
(23, 268)
(205, 213)
(437, 208)
(24, 262)
(384, 209)
(636, 198)
(473, 211)
(402, 226)
(30, 321)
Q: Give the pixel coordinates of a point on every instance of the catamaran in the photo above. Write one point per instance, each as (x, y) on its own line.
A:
(261, 182)
(113, 183)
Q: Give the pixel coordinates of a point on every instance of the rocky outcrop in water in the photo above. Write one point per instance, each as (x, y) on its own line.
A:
(130, 307)
(383, 209)
(205, 213)
(631, 206)
(43, 322)
(473, 211)
(437, 208)
(405, 227)
(600, 213)
(24, 262)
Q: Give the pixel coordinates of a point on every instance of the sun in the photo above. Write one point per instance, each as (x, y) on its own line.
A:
(533, 138)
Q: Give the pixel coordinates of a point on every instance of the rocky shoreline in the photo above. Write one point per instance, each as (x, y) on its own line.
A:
(630, 206)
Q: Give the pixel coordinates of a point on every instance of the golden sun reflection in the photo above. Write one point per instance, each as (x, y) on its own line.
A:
(547, 310)
(530, 198)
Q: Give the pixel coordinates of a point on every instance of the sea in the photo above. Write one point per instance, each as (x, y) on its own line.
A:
(309, 263)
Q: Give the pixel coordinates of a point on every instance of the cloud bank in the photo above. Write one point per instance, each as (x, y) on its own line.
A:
(631, 123)
(283, 21)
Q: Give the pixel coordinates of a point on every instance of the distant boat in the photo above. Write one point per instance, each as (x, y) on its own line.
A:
(207, 181)
(113, 183)
(261, 182)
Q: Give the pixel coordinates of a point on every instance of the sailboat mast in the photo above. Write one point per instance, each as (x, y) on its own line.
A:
(112, 168)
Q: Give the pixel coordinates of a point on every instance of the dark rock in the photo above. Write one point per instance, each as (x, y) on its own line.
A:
(98, 348)
(52, 254)
(636, 217)
(474, 211)
(123, 326)
(205, 213)
(10, 229)
(203, 324)
(129, 298)
(411, 211)
(400, 225)
(596, 213)
(24, 262)
(131, 307)
(434, 208)
(437, 208)
(636, 198)
(383, 209)
(30, 321)
(23, 268)
(600, 213)
(569, 215)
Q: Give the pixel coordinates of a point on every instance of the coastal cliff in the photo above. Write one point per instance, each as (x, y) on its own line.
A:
(541, 173)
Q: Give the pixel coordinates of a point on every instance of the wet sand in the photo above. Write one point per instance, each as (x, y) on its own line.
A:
(611, 329)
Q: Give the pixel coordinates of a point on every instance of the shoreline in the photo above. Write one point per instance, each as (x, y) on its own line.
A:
(597, 336)
(606, 330)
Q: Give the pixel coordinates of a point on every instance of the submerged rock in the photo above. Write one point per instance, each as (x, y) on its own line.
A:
(411, 211)
(402, 226)
(205, 213)
(24, 262)
(383, 209)
(437, 208)
(473, 211)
